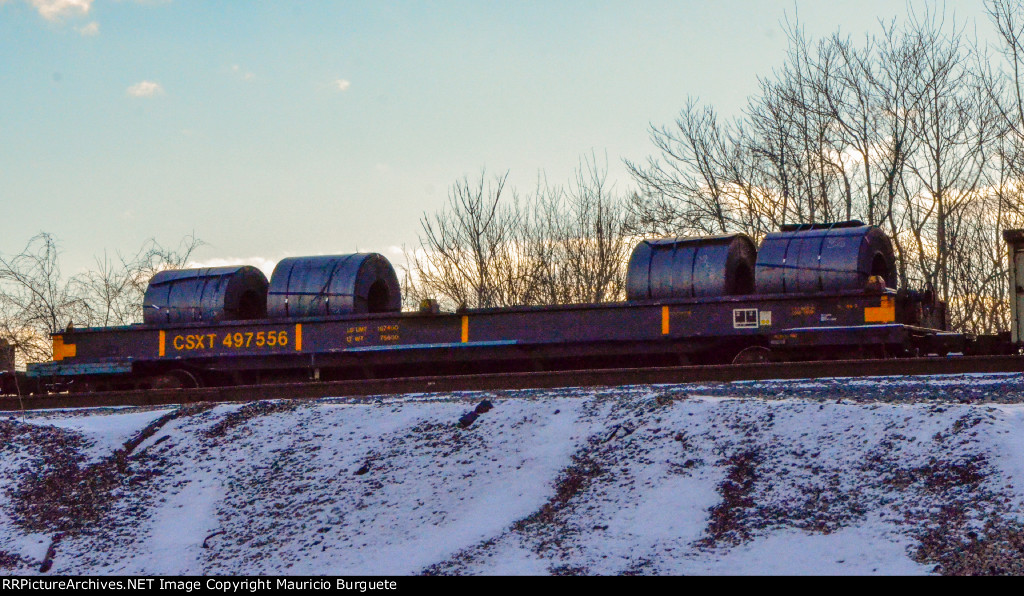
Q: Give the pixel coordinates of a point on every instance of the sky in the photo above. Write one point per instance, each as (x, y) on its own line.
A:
(274, 129)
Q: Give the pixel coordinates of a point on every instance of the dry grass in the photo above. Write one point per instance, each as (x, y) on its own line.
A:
(248, 412)
(727, 519)
(61, 492)
(997, 550)
(573, 480)
(10, 561)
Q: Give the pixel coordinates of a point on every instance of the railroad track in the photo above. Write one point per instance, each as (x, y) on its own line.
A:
(527, 380)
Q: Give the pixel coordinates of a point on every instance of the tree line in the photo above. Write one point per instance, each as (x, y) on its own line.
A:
(916, 129)
(37, 298)
(491, 246)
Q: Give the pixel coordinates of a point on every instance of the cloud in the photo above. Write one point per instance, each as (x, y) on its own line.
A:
(145, 89)
(341, 84)
(54, 10)
(89, 30)
(242, 74)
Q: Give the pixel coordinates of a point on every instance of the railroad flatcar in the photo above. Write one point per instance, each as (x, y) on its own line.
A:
(808, 292)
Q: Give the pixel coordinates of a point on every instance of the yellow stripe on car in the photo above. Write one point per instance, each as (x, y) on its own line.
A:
(885, 312)
(62, 350)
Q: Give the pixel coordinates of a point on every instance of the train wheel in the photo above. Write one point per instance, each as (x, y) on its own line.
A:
(86, 386)
(175, 379)
(752, 355)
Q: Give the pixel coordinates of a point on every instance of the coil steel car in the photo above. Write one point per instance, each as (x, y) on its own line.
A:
(809, 292)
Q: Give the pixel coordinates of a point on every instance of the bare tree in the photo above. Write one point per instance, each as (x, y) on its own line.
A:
(954, 127)
(473, 251)
(578, 239)
(491, 247)
(36, 299)
(1008, 18)
(899, 130)
(115, 289)
(687, 188)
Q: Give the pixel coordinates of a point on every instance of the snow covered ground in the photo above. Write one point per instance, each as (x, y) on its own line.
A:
(855, 476)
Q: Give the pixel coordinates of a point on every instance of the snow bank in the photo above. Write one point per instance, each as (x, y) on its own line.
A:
(788, 479)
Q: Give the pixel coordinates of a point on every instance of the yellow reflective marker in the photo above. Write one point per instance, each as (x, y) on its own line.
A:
(885, 312)
(163, 344)
(664, 320)
(62, 350)
(298, 337)
(465, 329)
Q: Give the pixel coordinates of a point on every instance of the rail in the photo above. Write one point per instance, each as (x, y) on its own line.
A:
(527, 380)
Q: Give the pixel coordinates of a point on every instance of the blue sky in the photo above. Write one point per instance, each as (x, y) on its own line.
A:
(285, 128)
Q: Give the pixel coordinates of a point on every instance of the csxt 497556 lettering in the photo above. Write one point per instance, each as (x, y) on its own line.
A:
(808, 292)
